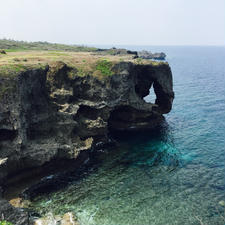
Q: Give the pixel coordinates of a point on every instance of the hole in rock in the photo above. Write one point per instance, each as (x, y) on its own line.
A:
(145, 87)
(87, 112)
(151, 97)
(7, 134)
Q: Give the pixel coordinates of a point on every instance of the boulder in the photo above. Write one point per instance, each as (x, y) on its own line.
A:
(50, 219)
(2, 52)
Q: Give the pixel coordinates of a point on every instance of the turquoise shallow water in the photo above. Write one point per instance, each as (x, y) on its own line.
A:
(172, 176)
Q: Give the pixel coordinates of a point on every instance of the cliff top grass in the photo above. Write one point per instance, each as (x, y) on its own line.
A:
(84, 62)
(17, 56)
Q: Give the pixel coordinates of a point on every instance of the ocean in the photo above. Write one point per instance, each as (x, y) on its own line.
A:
(171, 176)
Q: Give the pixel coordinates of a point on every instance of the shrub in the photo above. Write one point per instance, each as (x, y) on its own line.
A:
(105, 67)
(2, 51)
(4, 222)
(16, 59)
(139, 60)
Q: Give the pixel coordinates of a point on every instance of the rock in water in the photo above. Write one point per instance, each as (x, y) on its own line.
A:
(222, 203)
(69, 219)
(50, 219)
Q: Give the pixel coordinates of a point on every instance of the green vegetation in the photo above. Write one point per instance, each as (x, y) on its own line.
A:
(57, 53)
(82, 61)
(110, 52)
(13, 46)
(8, 85)
(81, 72)
(11, 70)
(99, 68)
(105, 67)
(4, 222)
(139, 60)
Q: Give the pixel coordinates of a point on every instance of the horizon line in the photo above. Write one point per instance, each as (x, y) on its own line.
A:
(153, 45)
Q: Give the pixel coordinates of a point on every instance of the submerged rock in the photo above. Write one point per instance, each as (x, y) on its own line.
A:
(19, 203)
(222, 203)
(50, 219)
(69, 219)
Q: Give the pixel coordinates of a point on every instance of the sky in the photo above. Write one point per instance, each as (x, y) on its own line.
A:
(115, 22)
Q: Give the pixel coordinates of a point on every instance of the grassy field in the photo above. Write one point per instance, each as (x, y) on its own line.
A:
(13, 46)
(85, 62)
(17, 56)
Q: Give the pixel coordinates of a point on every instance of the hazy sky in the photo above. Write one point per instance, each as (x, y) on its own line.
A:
(137, 22)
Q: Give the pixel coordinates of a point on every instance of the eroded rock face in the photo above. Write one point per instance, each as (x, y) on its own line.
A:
(16, 216)
(48, 115)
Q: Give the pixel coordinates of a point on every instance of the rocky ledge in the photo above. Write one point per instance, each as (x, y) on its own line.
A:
(136, 54)
(149, 55)
(51, 114)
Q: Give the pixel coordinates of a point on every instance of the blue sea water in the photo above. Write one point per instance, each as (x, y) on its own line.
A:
(175, 176)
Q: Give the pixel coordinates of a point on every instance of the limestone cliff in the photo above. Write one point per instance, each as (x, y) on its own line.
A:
(52, 113)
